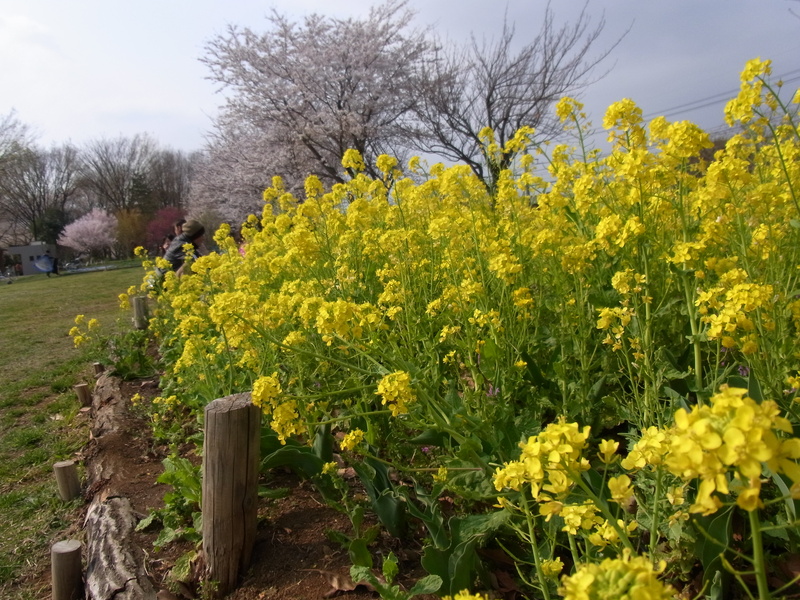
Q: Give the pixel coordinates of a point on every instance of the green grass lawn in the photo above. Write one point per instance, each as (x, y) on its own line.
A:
(40, 422)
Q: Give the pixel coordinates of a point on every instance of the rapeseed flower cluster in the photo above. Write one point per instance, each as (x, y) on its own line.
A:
(626, 578)
(396, 392)
(548, 462)
(429, 302)
(733, 435)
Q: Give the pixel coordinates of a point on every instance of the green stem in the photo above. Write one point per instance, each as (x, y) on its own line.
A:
(348, 417)
(758, 556)
(573, 548)
(352, 390)
(535, 547)
(698, 357)
(654, 526)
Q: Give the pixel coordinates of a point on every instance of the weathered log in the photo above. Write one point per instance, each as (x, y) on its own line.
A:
(115, 566)
(66, 570)
(69, 486)
(108, 406)
(230, 488)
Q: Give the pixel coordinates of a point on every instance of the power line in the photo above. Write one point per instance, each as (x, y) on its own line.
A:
(787, 78)
(711, 100)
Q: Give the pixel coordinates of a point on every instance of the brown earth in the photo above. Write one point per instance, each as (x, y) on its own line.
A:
(293, 556)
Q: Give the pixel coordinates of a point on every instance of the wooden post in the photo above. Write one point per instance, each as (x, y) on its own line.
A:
(139, 304)
(69, 487)
(230, 488)
(98, 369)
(65, 569)
(84, 395)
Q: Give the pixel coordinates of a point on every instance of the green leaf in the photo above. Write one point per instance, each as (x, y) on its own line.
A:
(713, 541)
(489, 350)
(338, 537)
(790, 503)
(273, 494)
(147, 521)
(427, 585)
(385, 502)
(749, 383)
(430, 437)
(361, 574)
(471, 485)
(431, 515)
(323, 443)
(596, 390)
(459, 564)
(390, 568)
(301, 459)
(359, 553)
(183, 567)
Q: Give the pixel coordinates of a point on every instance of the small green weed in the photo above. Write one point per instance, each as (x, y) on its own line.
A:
(38, 409)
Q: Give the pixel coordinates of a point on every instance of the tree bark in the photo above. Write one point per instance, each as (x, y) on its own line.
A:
(115, 564)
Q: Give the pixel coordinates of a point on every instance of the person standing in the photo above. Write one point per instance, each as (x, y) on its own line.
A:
(192, 233)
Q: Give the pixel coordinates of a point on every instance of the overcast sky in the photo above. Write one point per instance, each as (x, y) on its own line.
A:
(80, 70)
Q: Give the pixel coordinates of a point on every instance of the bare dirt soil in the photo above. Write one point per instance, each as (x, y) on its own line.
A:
(293, 557)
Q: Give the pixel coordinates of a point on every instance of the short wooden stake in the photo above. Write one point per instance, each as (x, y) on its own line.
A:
(98, 369)
(69, 487)
(139, 304)
(84, 395)
(65, 568)
(230, 488)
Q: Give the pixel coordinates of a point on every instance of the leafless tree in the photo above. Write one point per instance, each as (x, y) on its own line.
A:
(15, 138)
(490, 83)
(116, 169)
(38, 187)
(14, 135)
(169, 178)
(319, 88)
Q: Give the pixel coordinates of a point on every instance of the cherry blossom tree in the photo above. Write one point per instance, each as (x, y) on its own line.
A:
(302, 94)
(94, 234)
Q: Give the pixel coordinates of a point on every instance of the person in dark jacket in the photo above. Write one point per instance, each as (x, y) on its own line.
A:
(192, 233)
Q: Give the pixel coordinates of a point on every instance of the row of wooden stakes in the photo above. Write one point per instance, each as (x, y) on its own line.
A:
(66, 567)
(231, 459)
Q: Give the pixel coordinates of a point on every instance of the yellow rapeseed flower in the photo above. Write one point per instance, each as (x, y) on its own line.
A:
(396, 392)
(465, 595)
(352, 440)
(623, 577)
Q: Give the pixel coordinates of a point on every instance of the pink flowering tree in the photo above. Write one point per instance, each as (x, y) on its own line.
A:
(94, 234)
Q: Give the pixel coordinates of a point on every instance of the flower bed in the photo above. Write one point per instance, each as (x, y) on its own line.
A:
(596, 361)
